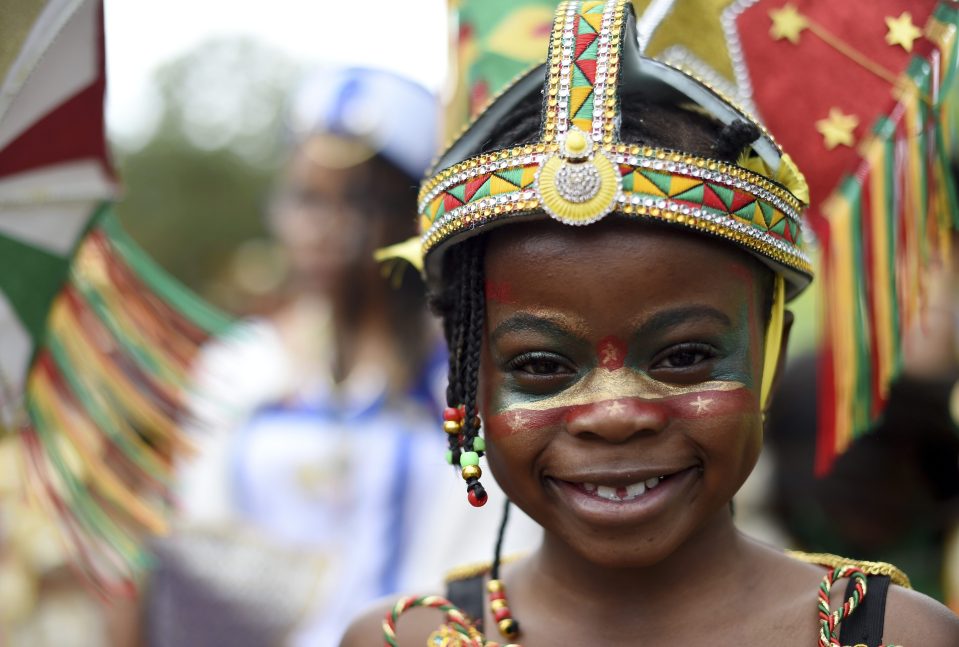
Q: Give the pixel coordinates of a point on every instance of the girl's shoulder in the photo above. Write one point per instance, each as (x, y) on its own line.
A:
(908, 617)
(913, 618)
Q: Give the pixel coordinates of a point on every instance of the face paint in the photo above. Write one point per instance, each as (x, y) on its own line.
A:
(501, 292)
(611, 352)
(748, 281)
(622, 393)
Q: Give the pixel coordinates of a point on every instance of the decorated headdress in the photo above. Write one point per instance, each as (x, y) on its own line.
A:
(580, 170)
(857, 92)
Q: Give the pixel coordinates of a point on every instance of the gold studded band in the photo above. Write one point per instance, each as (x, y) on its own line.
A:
(579, 172)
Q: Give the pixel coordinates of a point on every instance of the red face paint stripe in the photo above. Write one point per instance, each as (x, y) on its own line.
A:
(688, 406)
(501, 292)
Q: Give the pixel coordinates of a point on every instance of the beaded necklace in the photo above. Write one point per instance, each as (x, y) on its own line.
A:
(459, 631)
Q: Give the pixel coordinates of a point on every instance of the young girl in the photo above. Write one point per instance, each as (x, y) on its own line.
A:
(619, 369)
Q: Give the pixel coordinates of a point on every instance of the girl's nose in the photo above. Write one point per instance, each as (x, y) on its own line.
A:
(616, 421)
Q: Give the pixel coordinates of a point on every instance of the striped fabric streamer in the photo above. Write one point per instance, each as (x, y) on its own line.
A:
(890, 224)
(104, 396)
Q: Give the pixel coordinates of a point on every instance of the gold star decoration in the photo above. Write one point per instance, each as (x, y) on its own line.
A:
(701, 404)
(788, 23)
(697, 27)
(837, 129)
(902, 31)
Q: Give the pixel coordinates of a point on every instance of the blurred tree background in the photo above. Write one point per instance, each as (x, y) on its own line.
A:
(194, 191)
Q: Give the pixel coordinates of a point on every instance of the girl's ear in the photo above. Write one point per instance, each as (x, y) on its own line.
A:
(788, 319)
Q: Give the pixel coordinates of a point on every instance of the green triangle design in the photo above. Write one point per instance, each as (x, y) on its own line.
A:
(584, 27)
(694, 194)
(628, 182)
(591, 52)
(513, 175)
(748, 212)
(586, 110)
(768, 211)
(726, 195)
(440, 211)
(30, 279)
(459, 192)
(483, 191)
(579, 79)
(661, 180)
(780, 227)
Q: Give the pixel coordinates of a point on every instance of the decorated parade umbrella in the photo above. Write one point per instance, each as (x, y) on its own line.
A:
(95, 339)
(859, 93)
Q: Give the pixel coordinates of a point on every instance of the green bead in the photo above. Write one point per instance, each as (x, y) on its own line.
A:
(479, 445)
(469, 458)
(449, 456)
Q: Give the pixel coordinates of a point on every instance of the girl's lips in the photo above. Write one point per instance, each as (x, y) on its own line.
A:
(617, 504)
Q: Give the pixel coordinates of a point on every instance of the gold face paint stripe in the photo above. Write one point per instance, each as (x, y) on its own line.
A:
(625, 383)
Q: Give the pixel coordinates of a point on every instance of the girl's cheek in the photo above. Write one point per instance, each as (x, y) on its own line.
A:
(703, 407)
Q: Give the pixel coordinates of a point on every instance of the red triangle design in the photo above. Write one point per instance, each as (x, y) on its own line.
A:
(473, 186)
(450, 201)
(711, 200)
(582, 42)
(740, 200)
(588, 68)
(787, 233)
(626, 169)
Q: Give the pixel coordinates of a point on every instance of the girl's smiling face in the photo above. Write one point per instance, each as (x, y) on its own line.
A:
(620, 381)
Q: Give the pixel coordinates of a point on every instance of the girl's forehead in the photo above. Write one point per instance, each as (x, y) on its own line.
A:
(643, 251)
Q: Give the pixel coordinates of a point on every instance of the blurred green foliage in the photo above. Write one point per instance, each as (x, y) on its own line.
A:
(195, 189)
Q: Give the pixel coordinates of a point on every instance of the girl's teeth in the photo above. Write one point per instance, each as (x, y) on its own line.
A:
(627, 493)
(607, 493)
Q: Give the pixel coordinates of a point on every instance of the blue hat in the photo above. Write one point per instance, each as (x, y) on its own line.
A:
(388, 114)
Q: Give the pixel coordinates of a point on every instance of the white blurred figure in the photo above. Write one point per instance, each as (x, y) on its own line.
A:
(320, 482)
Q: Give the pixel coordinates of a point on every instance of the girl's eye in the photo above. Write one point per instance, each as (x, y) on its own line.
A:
(684, 356)
(540, 365)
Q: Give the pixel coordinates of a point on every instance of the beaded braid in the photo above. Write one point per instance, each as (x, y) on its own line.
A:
(463, 308)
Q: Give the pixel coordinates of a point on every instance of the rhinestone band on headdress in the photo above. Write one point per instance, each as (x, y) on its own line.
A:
(579, 171)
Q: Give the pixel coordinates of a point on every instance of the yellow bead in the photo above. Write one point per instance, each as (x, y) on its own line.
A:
(496, 605)
(472, 472)
(494, 586)
(576, 142)
(507, 628)
(451, 427)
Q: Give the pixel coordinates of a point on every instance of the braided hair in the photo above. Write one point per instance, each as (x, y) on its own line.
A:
(461, 301)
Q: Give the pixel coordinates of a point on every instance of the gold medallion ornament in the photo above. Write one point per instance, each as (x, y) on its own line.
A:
(578, 185)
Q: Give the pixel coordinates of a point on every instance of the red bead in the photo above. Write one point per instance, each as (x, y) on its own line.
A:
(498, 595)
(452, 413)
(474, 501)
(502, 614)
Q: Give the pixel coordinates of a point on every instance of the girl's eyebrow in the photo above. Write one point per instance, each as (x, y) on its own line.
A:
(525, 322)
(676, 316)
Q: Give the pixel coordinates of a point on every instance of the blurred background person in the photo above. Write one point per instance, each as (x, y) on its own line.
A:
(318, 481)
(893, 495)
